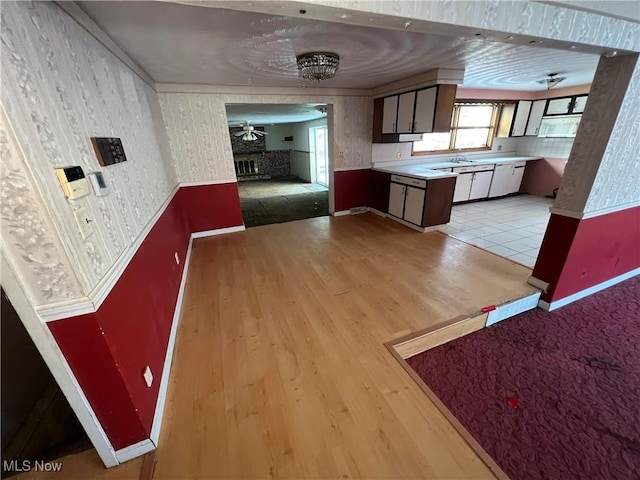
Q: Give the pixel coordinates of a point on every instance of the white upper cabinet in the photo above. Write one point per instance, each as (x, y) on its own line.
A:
(535, 117)
(559, 106)
(406, 102)
(520, 120)
(580, 103)
(425, 110)
(389, 114)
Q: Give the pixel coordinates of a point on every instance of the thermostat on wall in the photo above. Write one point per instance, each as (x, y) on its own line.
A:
(73, 182)
(99, 185)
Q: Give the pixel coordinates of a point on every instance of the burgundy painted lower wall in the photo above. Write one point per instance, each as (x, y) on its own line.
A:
(579, 254)
(351, 189)
(542, 176)
(108, 350)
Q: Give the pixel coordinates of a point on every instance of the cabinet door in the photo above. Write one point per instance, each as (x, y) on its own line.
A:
(559, 106)
(506, 119)
(579, 104)
(522, 115)
(425, 110)
(501, 182)
(463, 187)
(414, 205)
(396, 200)
(480, 184)
(535, 117)
(389, 114)
(516, 179)
(405, 112)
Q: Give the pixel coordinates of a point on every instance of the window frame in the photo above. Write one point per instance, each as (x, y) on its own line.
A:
(455, 117)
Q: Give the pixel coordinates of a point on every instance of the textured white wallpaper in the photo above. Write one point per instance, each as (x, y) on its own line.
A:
(199, 137)
(27, 230)
(510, 16)
(618, 179)
(59, 88)
(603, 169)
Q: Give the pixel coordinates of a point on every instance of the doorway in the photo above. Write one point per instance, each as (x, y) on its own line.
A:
(319, 150)
(281, 160)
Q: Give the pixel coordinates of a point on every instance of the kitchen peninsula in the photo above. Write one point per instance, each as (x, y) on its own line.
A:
(420, 195)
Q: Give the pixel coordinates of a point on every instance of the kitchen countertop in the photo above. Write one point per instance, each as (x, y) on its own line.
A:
(427, 171)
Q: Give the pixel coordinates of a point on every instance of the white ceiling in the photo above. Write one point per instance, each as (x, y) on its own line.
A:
(267, 114)
(199, 45)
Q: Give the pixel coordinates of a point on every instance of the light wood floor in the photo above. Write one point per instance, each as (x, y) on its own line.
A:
(280, 369)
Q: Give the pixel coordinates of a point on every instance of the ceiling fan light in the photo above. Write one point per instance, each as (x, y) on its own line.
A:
(551, 81)
(318, 65)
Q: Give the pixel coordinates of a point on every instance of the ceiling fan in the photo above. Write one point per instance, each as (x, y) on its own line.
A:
(551, 81)
(249, 133)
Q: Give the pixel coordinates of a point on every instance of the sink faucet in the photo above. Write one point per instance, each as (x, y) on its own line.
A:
(458, 157)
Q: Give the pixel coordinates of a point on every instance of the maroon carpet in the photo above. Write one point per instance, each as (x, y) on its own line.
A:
(550, 395)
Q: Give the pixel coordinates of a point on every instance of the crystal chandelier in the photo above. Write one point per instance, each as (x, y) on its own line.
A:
(318, 65)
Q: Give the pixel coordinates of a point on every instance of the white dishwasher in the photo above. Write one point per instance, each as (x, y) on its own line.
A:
(506, 179)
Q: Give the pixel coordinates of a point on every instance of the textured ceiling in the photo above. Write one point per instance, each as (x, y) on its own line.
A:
(198, 45)
(267, 114)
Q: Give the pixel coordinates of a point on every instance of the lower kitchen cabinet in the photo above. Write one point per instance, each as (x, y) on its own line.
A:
(421, 202)
(472, 183)
(506, 179)
(480, 184)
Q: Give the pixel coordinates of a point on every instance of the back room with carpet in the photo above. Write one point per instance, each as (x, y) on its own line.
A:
(281, 159)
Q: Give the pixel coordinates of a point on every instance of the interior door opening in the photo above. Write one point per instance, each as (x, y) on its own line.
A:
(281, 159)
(319, 146)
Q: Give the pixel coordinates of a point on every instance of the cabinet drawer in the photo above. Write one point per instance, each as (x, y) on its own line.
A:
(409, 181)
(473, 168)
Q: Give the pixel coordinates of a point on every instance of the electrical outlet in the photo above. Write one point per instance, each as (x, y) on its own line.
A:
(85, 224)
(177, 258)
(148, 376)
(398, 154)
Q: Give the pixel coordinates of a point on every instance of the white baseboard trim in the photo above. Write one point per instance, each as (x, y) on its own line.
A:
(377, 212)
(168, 358)
(342, 213)
(536, 282)
(219, 231)
(551, 306)
(132, 451)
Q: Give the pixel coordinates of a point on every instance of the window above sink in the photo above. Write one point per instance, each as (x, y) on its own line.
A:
(472, 129)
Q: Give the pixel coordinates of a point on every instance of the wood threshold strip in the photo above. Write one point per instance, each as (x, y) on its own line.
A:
(421, 340)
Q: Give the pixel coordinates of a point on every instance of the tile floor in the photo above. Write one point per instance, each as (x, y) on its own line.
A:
(511, 227)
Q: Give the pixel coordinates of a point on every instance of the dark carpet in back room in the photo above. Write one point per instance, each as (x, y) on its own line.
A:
(550, 394)
(284, 208)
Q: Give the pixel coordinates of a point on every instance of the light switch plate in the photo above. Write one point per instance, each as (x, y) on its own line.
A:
(148, 376)
(85, 224)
